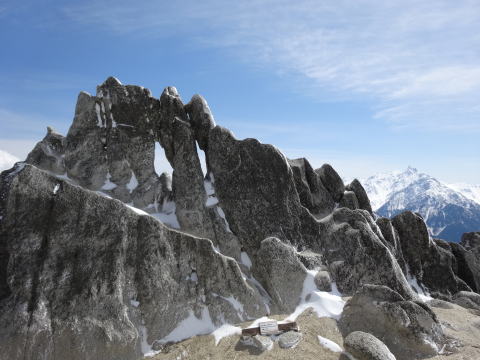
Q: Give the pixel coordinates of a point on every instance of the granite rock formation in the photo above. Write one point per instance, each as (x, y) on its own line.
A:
(104, 258)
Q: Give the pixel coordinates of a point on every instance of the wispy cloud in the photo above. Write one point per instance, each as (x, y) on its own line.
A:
(417, 60)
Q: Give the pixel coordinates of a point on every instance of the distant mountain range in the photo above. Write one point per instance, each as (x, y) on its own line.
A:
(6, 160)
(449, 210)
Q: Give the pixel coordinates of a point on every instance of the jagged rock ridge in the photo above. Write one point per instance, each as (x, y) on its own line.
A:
(85, 268)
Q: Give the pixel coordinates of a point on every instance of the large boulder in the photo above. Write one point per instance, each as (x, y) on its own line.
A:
(332, 181)
(282, 273)
(409, 329)
(427, 262)
(365, 346)
(83, 276)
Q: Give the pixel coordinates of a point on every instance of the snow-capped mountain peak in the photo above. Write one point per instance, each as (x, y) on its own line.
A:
(447, 211)
(6, 160)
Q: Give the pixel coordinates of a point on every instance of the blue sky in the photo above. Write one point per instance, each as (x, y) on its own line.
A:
(365, 86)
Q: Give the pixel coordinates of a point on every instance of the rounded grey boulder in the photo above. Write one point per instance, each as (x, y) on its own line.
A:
(289, 339)
(323, 281)
(365, 346)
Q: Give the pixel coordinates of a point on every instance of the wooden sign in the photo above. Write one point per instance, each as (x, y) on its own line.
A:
(268, 327)
(281, 327)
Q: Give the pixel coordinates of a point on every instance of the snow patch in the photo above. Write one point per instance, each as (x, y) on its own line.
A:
(138, 211)
(225, 331)
(245, 259)
(108, 185)
(222, 215)
(55, 189)
(99, 116)
(191, 326)
(146, 349)
(133, 183)
(329, 344)
(134, 303)
(325, 304)
(422, 294)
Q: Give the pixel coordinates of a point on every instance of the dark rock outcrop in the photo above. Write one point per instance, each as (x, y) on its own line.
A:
(332, 181)
(432, 265)
(471, 241)
(361, 195)
(312, 193)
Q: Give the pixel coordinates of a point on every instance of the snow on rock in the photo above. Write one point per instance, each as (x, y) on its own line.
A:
(422, 294)
(470, 191)
(108, 184)
(225, 331)
(325, 304)
(245, 259)
(133, 183)
(329, 344)
(191, 326)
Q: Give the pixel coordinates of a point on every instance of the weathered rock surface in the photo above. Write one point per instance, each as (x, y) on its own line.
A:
(312, 193)
(282, 273)
(78, 268)
(467, 299)
(201, 119)
(289, 339)
(409, 329)
(48, 153)
(432, 265)
(365, 346)
(323, 281)
(349, 200)
(361, 195)
(471, 241)
(357, 255)
(86, 270)
(332, 181)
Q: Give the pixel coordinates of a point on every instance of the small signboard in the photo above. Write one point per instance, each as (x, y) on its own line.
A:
(268, 327)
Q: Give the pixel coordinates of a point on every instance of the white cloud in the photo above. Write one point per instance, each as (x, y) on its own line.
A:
(397, 53)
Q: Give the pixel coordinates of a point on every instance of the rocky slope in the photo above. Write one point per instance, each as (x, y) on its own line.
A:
(102, 258)
(448, 213)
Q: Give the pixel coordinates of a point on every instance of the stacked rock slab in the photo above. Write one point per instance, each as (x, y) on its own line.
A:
(89, 278)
